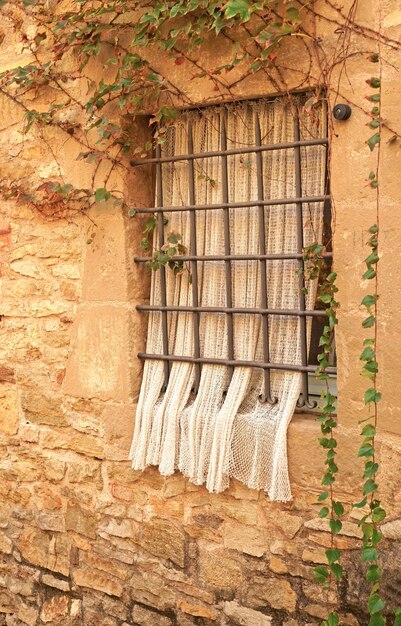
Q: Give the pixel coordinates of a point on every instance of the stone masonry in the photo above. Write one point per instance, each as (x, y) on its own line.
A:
(85, 540)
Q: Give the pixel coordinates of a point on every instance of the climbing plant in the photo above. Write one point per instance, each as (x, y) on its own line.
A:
(125, 37)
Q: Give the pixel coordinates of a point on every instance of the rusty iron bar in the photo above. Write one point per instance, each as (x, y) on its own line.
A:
(234, 205)
(234, 257)
(227, 246)
(217, 153)
(194, 263)
(163, 284)
(226, 310)
(254, 364)
(266, 395)
(304, 397)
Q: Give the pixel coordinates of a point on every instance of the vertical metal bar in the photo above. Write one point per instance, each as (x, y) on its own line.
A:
(227, 245)
(193, 251)
(304, 398)
(266, 396)
(163, 286)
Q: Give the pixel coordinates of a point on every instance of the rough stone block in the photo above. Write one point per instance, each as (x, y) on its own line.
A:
(6, 545)
(164, 539)
(245, 616)
(98, 366)
(9, 411)
(196, 609)
(40, 409)
(247, 539)
(219, 570)
(39, 548)
(80, 520)
(54, 608)
(98, 580)
(145, 617)
(275, 592)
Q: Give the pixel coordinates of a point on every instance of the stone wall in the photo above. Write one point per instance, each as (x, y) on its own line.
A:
(86, 540)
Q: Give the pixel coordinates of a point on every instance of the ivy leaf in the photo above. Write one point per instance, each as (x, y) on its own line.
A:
(369, 554)
(332, 619)
(378, 514)
(367, 354)
(321, 574)
(377, 620)
(361, 504)
(338, 508)
(366, 449)
(368, 431)
(373, 141)
(373, 574)
(371, 395)
(337, 570)
(292, 14)
(332, 555)
(323, 496)
(324, 511)
(369, 300)
(335, 526)
(238, 7)
(375, 604)
(369, 487)
(102, 194)
(369, 321)
(397, 621)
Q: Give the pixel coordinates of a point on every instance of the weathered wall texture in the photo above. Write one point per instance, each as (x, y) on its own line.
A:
(84, 539)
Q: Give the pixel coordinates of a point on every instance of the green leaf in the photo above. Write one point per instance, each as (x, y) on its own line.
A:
(373, 573)
(323, 496)
(292, 14)
(378, 515)
(368, 431)
(375, 604)
(102, 194)
(371, 395)
(369, 321)
(332, 555)
(371, 469)
(335, 526)
(372, 258)
(361, 504)
(336, 569)
(366, 449)
(238, 7)
(377, 620)
(321, 573)
(369, 487)
(369, 274)
(397, 621)
(332, 619)
(373, 141)
(374, 82)
(369, 554)
(324, 511)
(338, 508)
(367, 354)
(369, 300)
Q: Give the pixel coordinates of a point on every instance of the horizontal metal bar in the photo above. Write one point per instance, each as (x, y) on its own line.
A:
(221, 309)
(234, 257)
(235, 205)
(232, 151)
(234, 363)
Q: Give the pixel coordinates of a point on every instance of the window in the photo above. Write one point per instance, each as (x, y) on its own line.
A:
(228, 355)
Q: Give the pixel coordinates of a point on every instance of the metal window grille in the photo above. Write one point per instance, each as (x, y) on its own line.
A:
(306, 367)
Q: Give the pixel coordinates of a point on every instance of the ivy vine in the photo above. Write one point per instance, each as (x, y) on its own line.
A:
(121, 33)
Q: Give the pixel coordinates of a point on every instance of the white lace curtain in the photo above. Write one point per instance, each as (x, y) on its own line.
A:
(224, 430)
